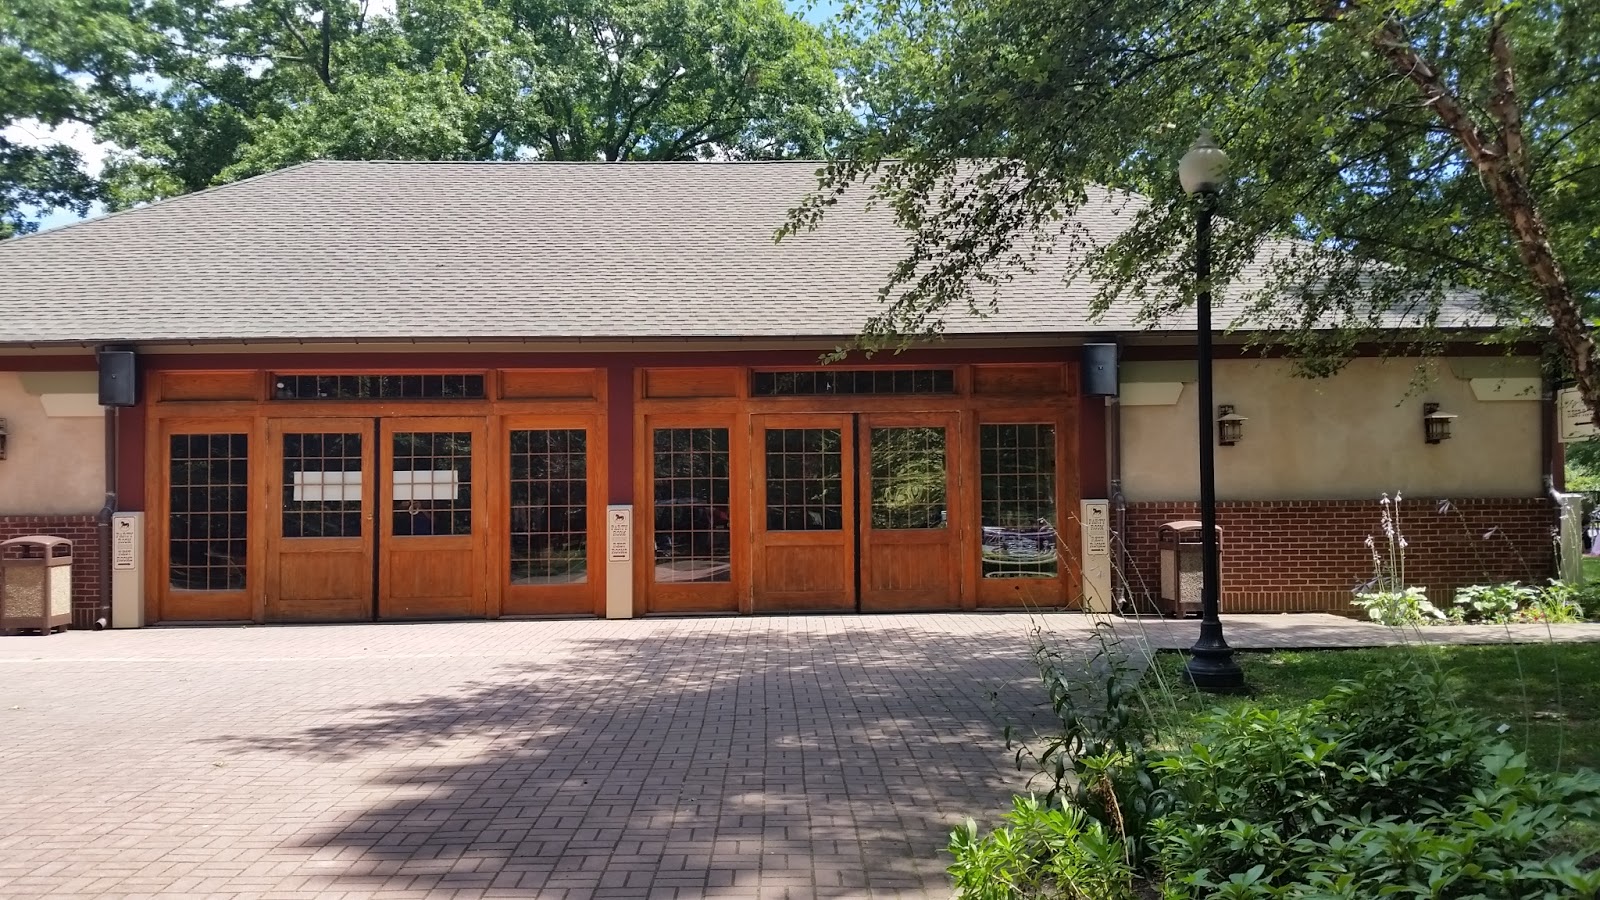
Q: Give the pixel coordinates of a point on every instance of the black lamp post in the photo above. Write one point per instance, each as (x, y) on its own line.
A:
(1211, 664)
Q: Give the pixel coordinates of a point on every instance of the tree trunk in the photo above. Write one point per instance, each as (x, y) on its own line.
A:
(1501, 161)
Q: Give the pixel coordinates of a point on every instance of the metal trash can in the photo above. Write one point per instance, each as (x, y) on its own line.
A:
(35, 583)
(1182, 566)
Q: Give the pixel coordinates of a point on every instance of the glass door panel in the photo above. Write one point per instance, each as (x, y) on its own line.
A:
(1018, 489)
(805, 539)
(908, 542)
(432, 542)
(320, 532)
(207, 523)
(689, 528)
(550, 528)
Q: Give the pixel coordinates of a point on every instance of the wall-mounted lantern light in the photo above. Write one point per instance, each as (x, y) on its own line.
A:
(1435, 424)
(2, 438)
(1230, 425)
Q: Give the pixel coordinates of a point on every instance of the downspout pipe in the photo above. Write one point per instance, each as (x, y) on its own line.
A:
(1547, 439)
(103, 520)
(1569, 507)
(1121, 599)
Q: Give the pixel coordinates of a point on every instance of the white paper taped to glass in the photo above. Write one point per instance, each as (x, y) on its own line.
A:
(326, 487)
(431, 484)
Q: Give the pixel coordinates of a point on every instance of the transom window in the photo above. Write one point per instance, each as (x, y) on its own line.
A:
(378, 387)
(851, 381)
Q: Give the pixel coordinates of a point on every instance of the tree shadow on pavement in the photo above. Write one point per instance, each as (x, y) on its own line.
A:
(786, 758)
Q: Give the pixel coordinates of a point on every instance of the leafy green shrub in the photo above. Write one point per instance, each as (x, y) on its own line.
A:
(1396, 608)
(1383, 788)
(1558, 603)
(1496, 603)
(1094, 761)
(1045, 851)
(1563, 603)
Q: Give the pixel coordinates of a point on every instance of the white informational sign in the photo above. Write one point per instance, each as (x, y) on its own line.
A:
(1577, 423)
(327, 487)
(619, 533)
(124, 543)
(428, 484)
(1096, 530)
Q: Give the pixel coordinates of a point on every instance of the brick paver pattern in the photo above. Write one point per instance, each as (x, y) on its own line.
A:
(822, 757)
(721, 757)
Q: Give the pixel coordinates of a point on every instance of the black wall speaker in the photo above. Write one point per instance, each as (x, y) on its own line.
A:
(117, 378)
(1100, 370)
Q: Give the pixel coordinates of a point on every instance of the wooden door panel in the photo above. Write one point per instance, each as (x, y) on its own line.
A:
(910, 518)
(432, 518)
(205, 534)
(324, 586)
(1027, 489)
(803, 500)
(692, 522)
(550, 513)
(320, 527)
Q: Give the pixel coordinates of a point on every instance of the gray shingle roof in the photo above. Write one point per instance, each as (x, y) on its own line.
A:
(442, 251)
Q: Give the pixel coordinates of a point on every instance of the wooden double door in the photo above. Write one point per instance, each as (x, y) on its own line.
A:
(856, 511)
(375, 519)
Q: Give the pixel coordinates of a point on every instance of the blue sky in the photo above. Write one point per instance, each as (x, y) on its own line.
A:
(811, 10)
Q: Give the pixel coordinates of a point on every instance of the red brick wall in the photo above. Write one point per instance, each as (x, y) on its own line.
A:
(81, 530)
(1308, 555)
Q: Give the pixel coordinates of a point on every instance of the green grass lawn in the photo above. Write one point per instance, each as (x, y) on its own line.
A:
(1548, 694)
(1591, 569)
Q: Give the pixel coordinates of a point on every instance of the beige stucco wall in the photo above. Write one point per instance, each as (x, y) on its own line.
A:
(54, 464)
(1355, 435)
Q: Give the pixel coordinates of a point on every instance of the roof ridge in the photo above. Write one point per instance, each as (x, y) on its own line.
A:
(163, 202)
(595, 163)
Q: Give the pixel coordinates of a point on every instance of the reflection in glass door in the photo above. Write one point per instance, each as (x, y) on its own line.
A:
(804, 548)
(688, 530)
(1017, 506)
(549, 532)
(207, 525)
(320, 528)
(908, 541)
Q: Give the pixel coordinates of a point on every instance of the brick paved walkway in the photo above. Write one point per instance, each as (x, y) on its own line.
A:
(808, 757)
(766, 757)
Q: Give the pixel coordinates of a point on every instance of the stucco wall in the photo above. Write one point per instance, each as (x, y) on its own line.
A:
(54, 465)
(1352, 436)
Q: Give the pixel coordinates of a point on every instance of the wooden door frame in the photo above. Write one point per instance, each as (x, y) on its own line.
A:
(480, 429)
(161, 604)
(1063, 590)
(958, 530)
(849, 502)
(651, 596)
(272, 505)
(500, 589)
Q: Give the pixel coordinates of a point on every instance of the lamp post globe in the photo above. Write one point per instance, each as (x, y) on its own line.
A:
(1202, 169)
(1211, 664)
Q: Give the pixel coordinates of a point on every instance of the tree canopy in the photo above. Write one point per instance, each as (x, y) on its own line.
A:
(1415, 154)
(208, 91)
(60, 61)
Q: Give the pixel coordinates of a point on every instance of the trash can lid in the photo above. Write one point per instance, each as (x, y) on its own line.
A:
(44, 540)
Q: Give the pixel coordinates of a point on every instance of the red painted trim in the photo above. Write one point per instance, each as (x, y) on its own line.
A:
(86, 363)
(131, 458)
(422, 360)
(1093, 469)
(619, 433)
